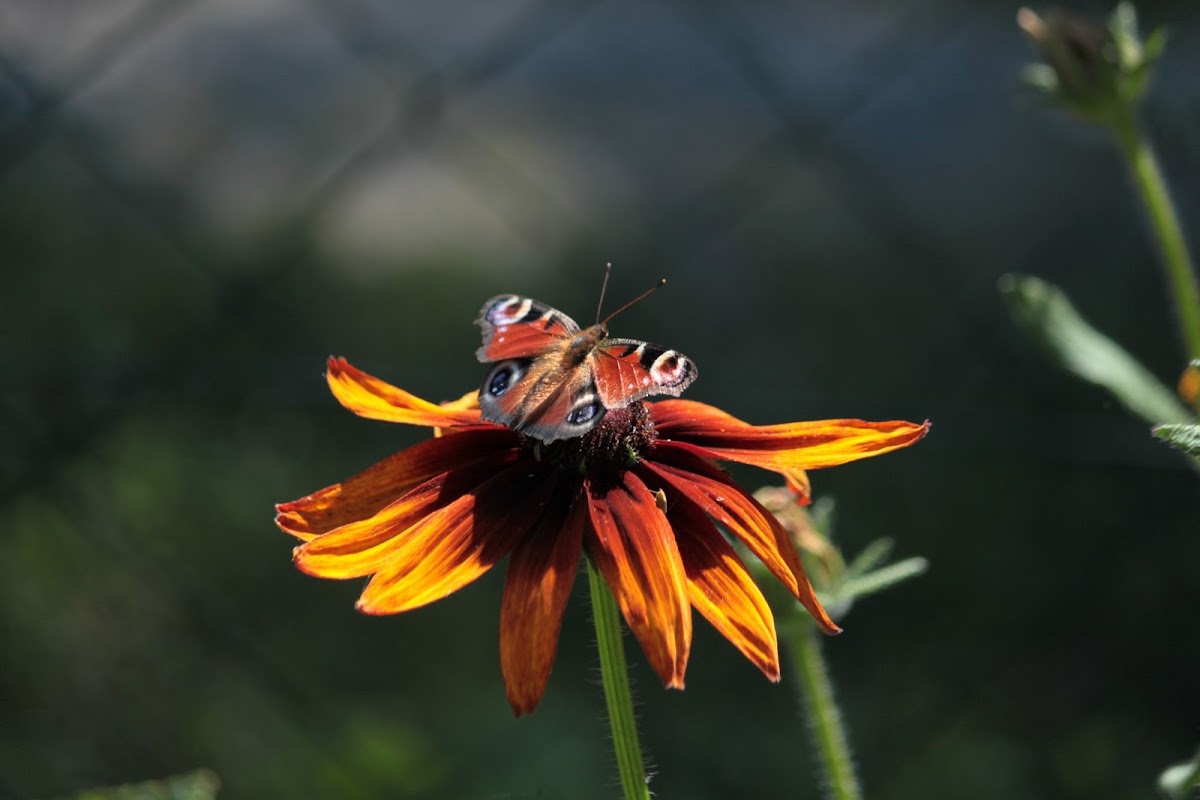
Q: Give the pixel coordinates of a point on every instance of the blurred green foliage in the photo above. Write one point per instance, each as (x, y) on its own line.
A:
(199, 785)
(832, 194)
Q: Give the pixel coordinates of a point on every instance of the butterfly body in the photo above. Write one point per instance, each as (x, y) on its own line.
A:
(552, 380)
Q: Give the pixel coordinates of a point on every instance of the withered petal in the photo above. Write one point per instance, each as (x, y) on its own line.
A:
(720, 498)
(540, 575)
(373, 398)
(634, 548)
(363, 495)
(459, 542)
(721, 589)
(790, 446)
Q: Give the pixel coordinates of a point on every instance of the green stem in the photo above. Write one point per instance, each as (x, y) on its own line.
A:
(1152, 188)
(618, 698)
(824, 719)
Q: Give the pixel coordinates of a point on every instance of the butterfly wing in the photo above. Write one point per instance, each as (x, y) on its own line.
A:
(520, 327)
(551, 381)
(558, 408)
(531, 388)
(625, 370)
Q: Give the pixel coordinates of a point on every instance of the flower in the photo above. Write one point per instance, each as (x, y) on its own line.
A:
(641, 494)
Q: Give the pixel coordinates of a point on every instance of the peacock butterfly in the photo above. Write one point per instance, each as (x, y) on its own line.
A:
(553, 380)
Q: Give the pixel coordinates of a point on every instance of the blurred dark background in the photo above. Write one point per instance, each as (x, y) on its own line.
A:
(200, 201)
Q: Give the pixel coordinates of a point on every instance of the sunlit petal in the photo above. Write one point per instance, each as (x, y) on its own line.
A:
(363, 495)
(742, 515)
(456, 544)
(797, 481)
(634, 548)
(790, 446)
(370, 397)
(721, 589)
(366, 546)
(540, 575)
(469, 402)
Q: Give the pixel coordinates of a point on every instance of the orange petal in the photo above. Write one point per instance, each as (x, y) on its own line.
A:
(791, 446)
(365, 546)
(456, 544)
(468, 402)
(726, 502)
(366, 493)
(540, 575)
(721, 589)
(634, 547)
(797, 481)
(370, 397)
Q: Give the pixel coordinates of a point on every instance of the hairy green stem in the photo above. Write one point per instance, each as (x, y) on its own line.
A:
(615, 675)
(824, 719)
(1168, 234)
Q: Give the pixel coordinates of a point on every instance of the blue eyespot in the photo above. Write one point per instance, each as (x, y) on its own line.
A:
(583, 414)
(501, 381)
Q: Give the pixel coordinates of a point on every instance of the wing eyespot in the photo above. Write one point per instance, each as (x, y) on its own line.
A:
(502, 378)
(584, 412)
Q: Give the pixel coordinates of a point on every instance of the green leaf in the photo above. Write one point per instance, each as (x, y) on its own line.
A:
(871, 556)
(1124, 28)
(1180, 782)
(1046, 314)
(881, 579)
(1041, 77)
(1182, 436)
(199, 785)
(1154, 45)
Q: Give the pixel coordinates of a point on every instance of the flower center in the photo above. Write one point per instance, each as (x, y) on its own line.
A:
(607, 450)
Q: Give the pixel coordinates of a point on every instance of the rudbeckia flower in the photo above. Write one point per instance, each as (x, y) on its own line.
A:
(641, 495)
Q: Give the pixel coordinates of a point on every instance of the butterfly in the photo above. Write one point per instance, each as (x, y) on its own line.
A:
(553, 380)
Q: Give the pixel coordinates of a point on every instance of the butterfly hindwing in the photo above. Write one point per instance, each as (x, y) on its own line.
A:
(626, 370)
(503, 391)
(537, 399)
(568, 412)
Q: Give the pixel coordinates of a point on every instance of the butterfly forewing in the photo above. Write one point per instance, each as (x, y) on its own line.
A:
(626, 370)
(519, 327)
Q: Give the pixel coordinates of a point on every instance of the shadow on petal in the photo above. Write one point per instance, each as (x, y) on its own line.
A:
(456, 544)
(711, 490)
(365, 494)
(541, 573)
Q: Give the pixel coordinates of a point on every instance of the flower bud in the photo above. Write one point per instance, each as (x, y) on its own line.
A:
(1097, 72)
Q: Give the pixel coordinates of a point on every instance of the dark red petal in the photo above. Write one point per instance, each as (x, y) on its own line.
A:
(634, 547)
(721, 589)
(363, 495)
(540, 575)
(790, 446)
(456, 544)
(726, 502)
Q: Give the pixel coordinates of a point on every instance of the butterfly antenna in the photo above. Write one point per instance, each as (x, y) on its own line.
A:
(603, 289)
(637, 299)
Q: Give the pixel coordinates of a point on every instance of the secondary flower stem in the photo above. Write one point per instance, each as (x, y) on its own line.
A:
(618, 698)
(1152, 188)
(824, 719)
